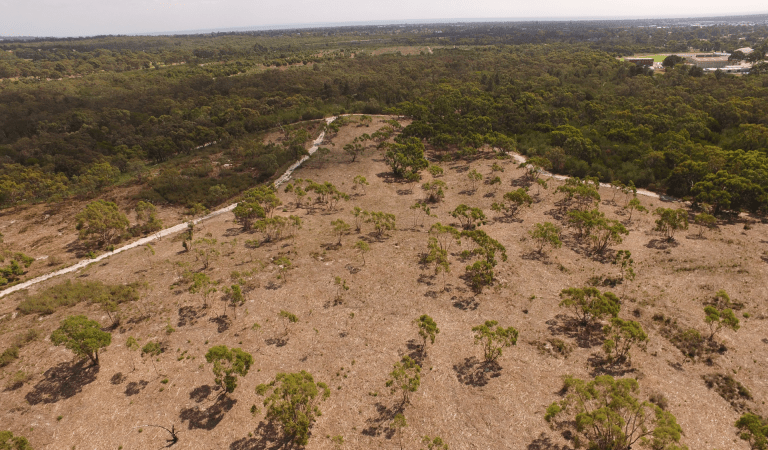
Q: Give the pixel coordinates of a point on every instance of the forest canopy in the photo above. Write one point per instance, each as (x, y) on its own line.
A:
(80, 115)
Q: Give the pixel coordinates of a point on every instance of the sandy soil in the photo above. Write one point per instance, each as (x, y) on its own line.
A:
(353, 346)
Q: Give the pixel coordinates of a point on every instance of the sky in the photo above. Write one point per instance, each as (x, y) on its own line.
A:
(62, 18)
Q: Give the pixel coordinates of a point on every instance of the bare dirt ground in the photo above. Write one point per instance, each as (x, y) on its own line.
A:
(352, 346)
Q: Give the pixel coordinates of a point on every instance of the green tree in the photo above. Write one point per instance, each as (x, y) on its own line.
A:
(435, 443)
(474, 177)
(131, 344)
(635, 205)
(545, 234)
(589, 304)
(101, 219)
(382, 222)
(626, 264)
(621, 335)
(203, 285)
(535, 166)
(493, 340)
(228, 363)
(704, 220)
(405, 378)
(340, 228)
(437, 256)
(605, 414)
(206, 251)
(427, 331)
(406, 156)
(435, 190)
(147, 212)
(670, 220)
(435, 170)
(363, 248)
(10, 442)
(513, 202)
(359, 182)
(235, 298)
(468, 217)
(753, 430)
(82, 336)
(294, 403)
(398, 423)
(247, 211)
(153, 350)
(717, 318)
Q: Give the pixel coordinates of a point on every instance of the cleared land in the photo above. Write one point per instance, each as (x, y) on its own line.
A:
(352, 344)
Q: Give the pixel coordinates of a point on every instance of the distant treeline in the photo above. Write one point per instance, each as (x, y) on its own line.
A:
(683, 132)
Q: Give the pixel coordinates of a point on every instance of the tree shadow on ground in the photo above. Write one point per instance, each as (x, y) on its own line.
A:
(465, 303)
(267, 437)
(474, 372)
(377, 426)
(601, 366)
(543, 442)
(135, 387)
(117, 378)
(277, 341)
(222, 323)
(429, 280)
(188, 315)
(63, 381)
(661, 244)
(536, 256)
(586, 336)
(201, 393)
(415, 351)
(207, 419)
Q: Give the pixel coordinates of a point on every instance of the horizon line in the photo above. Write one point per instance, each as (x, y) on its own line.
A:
(393, 22)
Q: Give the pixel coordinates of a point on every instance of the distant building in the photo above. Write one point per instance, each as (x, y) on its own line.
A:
(709, 61)
(640, 61)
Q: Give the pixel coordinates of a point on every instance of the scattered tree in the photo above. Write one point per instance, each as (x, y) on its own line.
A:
(635, 205)
(406, 156)
(101, 219)
(82, 336)
(435, 190)
(227, 365)
(704, 220)
(435, 170)
(493, 340)
(398, 423)
(474, 177)
(359, 182)
(435, 443)
(621, 336)
(754, 430)
(469, 217)
(362, 247)
(132, 345)
(10, 442)
(405, 377)
(382, 222)
(153, 350)
(670, 220)
(717, 318)
(589, 304)
(340, 228)
(605, 415)
(545, 234)
(294, 403)
(427, 331)
(513, 201)
(203, 285)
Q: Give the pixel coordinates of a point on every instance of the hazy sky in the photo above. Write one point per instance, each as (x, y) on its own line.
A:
(89, 17)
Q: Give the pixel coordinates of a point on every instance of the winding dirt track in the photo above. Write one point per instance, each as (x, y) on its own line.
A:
(183, 226)
(162, 233)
